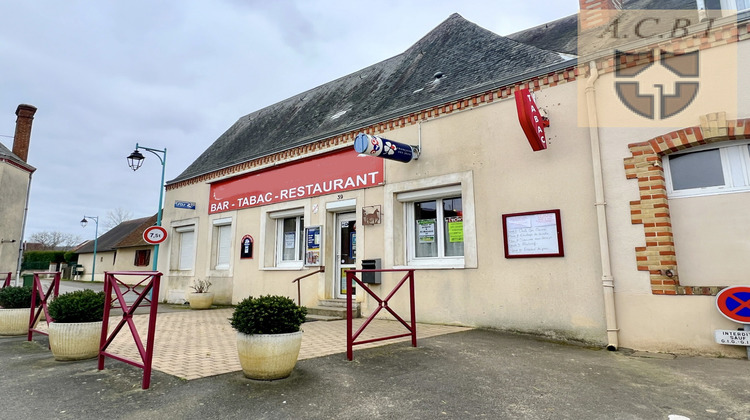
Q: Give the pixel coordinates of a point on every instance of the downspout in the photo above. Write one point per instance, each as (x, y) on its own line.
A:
(23, 230)
(608, 281)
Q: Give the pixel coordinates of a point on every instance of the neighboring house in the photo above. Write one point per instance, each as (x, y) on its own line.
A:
(15, 184)
(617, 235)
(122, 248)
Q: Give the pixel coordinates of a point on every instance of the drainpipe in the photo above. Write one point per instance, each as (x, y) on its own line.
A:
(608, 281)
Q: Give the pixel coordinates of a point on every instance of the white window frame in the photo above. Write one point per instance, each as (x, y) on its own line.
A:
(735, 165)
(183, 256)
(737, 5)
(409, 199)
(298, 214)
(395, 221)
(223, 243)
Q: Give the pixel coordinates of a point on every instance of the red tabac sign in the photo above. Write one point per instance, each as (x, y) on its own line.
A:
(333, 173)
(531, 120)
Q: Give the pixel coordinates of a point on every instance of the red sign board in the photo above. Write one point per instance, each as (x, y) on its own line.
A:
(333, 173)
(155, 235)
(531, 120)
(734, 303)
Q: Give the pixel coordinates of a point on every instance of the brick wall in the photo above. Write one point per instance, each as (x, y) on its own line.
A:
(652, 209)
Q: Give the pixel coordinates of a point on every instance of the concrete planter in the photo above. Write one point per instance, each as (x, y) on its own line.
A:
(75, 341)
(201, 300)
(268, 356)
(14, 321)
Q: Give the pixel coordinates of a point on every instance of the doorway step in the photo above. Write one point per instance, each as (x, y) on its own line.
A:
(331, 310)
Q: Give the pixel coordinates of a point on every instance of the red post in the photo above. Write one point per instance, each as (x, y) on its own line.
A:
(38, 289)
(351, 338)
(6, 283)
(349, 315)
(151, 288)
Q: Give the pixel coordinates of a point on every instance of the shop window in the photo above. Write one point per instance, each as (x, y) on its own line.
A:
(289, 234)
(186, 253)
(707, 171)
(222, 243)
(435, 227)
(142, 257)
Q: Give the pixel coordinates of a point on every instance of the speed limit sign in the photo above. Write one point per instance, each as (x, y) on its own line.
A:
(155, 235)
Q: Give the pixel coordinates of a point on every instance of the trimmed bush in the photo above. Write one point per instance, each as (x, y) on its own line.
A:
(15, 297)
(78, 306)
(268, 315)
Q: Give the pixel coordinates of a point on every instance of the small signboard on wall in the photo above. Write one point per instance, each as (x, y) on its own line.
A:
(313, 240)
(246, 247)
(533, 234)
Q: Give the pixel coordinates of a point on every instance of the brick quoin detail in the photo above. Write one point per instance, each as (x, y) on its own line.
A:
(652, 210)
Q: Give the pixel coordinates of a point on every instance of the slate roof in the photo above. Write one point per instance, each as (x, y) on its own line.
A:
(561, 35)
(6, 153)
(468, 57)
(111, 240)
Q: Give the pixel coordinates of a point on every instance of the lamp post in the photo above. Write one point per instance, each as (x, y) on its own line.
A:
(84, 222)
(135, 160)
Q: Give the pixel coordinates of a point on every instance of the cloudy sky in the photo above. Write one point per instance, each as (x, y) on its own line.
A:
(176, 74)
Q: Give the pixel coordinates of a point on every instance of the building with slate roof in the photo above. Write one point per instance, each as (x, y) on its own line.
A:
(122, 248)
(559, 181)
(15, 183)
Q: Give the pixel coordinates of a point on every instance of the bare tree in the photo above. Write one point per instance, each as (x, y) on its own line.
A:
(115, 217)
(52, 240)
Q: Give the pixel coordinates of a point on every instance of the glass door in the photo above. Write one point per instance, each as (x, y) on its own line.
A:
(346, 250)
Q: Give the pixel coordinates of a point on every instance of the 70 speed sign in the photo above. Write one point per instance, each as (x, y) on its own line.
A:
(155, 235)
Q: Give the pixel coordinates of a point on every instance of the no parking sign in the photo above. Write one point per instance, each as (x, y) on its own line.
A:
(734, 303)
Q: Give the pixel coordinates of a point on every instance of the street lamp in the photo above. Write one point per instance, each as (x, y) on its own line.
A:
(135, 160)
(84, 222)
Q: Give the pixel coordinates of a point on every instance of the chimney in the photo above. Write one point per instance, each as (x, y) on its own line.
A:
(25, 114)
(597, 12)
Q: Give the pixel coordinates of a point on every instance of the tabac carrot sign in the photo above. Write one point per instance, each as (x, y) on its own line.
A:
(332, 173)
(531, 120)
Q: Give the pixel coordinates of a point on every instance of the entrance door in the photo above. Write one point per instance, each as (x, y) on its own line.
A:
(346, 250)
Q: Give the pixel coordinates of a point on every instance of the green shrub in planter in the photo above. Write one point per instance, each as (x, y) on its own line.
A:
(16, 297)
(78, 306)
(268, 315)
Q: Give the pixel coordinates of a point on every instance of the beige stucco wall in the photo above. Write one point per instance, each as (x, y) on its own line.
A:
(14, 184)
(484, 149)
(554, 296)
(709, 232)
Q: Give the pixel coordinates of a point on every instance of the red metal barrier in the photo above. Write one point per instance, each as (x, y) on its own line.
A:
(38, 290)
(382, 304)
(6, 282)
(150, 294)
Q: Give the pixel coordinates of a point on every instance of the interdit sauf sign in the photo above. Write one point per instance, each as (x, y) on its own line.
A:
(329, 174)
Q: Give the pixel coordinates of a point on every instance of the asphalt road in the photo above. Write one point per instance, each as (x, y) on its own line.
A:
(475, 374)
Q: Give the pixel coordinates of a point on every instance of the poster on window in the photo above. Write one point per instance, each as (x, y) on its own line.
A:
(426, 230)
(533, 234)
(455, 228)
(312, 246)
(289, 240)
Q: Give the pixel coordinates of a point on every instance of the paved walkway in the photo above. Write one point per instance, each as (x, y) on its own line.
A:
(196, 344)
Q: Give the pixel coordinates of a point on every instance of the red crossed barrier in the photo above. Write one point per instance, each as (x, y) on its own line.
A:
(38, 290)
(149, 294)
(382, 304)
(6, 282)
